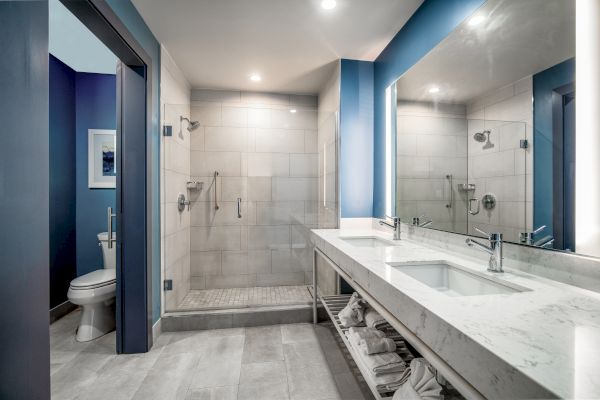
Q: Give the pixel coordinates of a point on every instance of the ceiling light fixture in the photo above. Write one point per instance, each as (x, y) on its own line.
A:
(293, 111)
(434, 90)
(328, 4)
(476, 20)
(255, 78)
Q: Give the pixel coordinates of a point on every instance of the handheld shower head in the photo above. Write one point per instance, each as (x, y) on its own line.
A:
(192, 125)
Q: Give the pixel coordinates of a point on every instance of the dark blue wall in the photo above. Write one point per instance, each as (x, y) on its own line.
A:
(544, 84)
(128, 14)
(24, 200)
(356, 142)
(430, 24)
(95, 108)
(63, 262)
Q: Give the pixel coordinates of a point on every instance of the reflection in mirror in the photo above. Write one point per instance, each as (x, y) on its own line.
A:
(485, 127)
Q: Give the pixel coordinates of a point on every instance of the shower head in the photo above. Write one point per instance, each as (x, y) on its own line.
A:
(480, 136)
(192, 125)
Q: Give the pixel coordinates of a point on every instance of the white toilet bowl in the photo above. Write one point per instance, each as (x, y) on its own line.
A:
(95, 293)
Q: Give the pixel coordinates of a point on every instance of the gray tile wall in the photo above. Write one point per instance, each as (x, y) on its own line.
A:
(267, 156)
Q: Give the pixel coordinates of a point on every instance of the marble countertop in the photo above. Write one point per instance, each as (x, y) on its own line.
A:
(540, 343)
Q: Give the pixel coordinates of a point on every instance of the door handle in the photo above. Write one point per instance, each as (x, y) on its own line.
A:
(110, 216)
(239, 207)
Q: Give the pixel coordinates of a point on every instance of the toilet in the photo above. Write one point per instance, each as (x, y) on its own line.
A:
(95, 293)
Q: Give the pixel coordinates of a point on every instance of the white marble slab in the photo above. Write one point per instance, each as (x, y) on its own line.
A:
(541, 343)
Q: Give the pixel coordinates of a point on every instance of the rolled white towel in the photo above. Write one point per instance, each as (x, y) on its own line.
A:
(421, 384)
(353, 313)
(373, 319)
(377, 345)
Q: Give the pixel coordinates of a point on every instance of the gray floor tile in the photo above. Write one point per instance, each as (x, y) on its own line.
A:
(313, 382)
(263, 381)
(214, 393)
(263, 344)
(218, 372)
(169, 377)
(297, 333)
(303, 354)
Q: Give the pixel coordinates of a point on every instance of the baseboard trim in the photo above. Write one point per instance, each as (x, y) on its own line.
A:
(156, 330)
(61, 310)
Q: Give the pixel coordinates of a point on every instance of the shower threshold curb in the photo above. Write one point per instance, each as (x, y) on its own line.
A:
(236, 317)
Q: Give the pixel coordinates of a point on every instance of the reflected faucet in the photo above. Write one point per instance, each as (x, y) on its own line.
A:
(395, 226)
(416, 221)
(494, 249)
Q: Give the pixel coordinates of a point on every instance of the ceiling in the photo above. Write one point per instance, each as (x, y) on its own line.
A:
(75, 45)
(292, 44)
(516, 39)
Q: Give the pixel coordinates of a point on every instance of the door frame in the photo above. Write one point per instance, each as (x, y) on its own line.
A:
(103, 22)
(563, 234)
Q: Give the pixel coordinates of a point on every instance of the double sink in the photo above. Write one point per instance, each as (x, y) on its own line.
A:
(442, 276)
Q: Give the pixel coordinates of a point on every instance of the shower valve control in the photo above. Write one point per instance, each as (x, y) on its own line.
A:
(182, 202)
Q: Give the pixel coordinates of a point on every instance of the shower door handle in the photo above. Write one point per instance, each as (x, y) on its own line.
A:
(216, 198)
(110, 216)
(239, 207)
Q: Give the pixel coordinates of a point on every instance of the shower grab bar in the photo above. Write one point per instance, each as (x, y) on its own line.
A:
(450, 178)
(239, 207)
(216, 199)
(110, 216)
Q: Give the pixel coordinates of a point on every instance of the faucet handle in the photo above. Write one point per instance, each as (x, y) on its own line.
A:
(482, 232)
(395, 219)
(538, 230)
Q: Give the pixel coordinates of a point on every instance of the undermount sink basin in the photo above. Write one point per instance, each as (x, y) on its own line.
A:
(368, 241)
(454, 281)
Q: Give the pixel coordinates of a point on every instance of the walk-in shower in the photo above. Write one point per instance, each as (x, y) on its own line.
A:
(244, 238)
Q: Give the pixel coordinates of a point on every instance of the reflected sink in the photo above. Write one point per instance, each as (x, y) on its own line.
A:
(368, 241)
(454, 281)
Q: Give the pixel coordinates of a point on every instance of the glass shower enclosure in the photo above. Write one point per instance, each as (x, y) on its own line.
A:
(239, 196)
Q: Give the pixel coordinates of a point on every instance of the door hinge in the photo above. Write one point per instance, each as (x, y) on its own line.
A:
(168, 284)
(524, 143)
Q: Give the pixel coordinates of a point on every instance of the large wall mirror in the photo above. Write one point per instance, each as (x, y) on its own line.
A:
(485, 127)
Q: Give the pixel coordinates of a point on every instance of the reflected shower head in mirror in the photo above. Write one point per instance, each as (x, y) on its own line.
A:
(192, 125)
(484, 137)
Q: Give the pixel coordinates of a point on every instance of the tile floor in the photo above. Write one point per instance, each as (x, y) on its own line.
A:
(295, 362)
(245, 297)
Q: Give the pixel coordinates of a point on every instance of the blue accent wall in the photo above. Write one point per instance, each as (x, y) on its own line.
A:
(95, 108)
(356, 142)
(429, 25)
(544, 84)
(63, 262)
(128, 14)
(24, 200)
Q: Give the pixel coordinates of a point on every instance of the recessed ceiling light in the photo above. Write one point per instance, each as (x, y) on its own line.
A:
(476, 20)
(293, 111)
(255, 78)
(328, 4)
(434, 89)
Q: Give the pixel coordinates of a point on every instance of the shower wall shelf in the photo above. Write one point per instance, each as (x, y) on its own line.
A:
(194, 185)
(466, 187)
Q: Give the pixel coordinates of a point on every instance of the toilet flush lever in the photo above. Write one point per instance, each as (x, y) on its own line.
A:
(110, 216)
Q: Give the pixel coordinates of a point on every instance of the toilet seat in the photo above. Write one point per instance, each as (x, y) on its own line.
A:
(95, 279)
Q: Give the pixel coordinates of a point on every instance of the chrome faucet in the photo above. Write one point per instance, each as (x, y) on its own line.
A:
(417, 221)
(395, 226)
(528, 237)
(494, 249)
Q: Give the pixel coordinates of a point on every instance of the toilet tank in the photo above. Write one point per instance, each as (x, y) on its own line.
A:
(109, 256)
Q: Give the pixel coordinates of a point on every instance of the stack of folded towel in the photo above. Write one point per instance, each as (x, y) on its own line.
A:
(419, 383)
(376, 352)
(353, 313)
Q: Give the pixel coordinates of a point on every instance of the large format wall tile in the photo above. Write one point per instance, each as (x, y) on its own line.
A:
(266, 156)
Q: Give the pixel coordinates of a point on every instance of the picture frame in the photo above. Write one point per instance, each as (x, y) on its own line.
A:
(102, 167)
